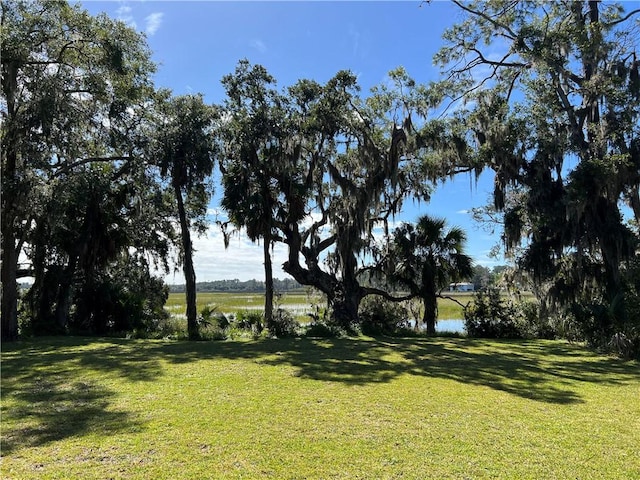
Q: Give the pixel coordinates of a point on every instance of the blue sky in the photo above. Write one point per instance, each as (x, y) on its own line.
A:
(196, 43)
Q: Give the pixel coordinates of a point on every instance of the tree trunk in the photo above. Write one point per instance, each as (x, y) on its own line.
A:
(63, 304)
(9, 307)
(344, 299)
(42, 294)
(8, 244)
(344, 302)
(430, 313)
(189, 272)
(268, 283)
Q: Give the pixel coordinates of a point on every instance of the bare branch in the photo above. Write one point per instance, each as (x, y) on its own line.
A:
(84, 161)
(626, 17)
(499, 63)
(448, 297)
(511, 34)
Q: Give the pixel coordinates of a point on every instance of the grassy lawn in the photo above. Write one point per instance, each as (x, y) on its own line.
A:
(304, 408)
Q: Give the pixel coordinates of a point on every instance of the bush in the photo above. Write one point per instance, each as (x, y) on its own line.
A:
(614, 327)
(126, 298)
(172, 327)
(212, 324)
(210, 315)
(533, 323)
(250, 320)
(379, 316)
(284, 325)
(320, 329)
(489, 316)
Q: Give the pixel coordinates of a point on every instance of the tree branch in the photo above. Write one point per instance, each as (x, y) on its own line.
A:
(626, 17)
(512, 35)
(25, 272)
(387, 295)
(498, 63)
(448, 297)
(84, 161)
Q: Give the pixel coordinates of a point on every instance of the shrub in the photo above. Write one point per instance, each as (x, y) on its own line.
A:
(320, 329)
(489, 316)
(381, 316)
(210, 315)
(284, 325)
(532, 322)
(250, 320)
(172, 327)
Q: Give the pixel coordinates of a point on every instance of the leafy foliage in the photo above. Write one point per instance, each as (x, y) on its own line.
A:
(380, 316)
(490, 316)
(555, 114)
(210, 315)
(425, 258)
(250, 320)
(77, 194)
(318, 169)
(321, 329)
(284, 324)
(184, 150)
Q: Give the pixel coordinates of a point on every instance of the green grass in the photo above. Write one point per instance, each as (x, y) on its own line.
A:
(299, 302)
(302, 408)
(227, 303)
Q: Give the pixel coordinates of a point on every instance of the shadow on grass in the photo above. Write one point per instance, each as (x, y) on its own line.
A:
(52, 398)
(55, 410)
(537, 370)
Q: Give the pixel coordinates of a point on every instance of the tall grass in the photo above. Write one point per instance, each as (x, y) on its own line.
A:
(298, 303)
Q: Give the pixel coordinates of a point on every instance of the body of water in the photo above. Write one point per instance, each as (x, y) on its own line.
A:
(453, 325)
(456, 326)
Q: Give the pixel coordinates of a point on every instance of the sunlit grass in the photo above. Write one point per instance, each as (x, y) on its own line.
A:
(302, 408)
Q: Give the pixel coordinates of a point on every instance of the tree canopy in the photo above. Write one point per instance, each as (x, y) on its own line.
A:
(74, 187)
(555, 113)
(102, 173)
(425, 258)
(184, 148)
(319, 169)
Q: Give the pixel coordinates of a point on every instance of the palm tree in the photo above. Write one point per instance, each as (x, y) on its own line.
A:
(425, 258)
(254, 138)
(185, 152)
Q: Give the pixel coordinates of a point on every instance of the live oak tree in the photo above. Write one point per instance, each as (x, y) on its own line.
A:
(425, 258)
(184, 148)
(551, 96)
(329, 169)
(74, 91)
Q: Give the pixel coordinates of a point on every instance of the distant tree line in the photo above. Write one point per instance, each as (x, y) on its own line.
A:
(253, 286)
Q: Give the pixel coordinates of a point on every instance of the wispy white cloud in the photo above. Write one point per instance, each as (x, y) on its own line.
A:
(242, 260)
(153, 22)
(463, 211)
(217, 213)
(123, 11)
(355, 39)
(124, 14)
(258, 45)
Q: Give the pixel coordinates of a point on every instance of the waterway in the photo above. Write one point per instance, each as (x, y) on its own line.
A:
(456, 326)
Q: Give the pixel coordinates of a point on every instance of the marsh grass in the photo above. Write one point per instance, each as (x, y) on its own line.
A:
(299, 303)
(317, 408)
